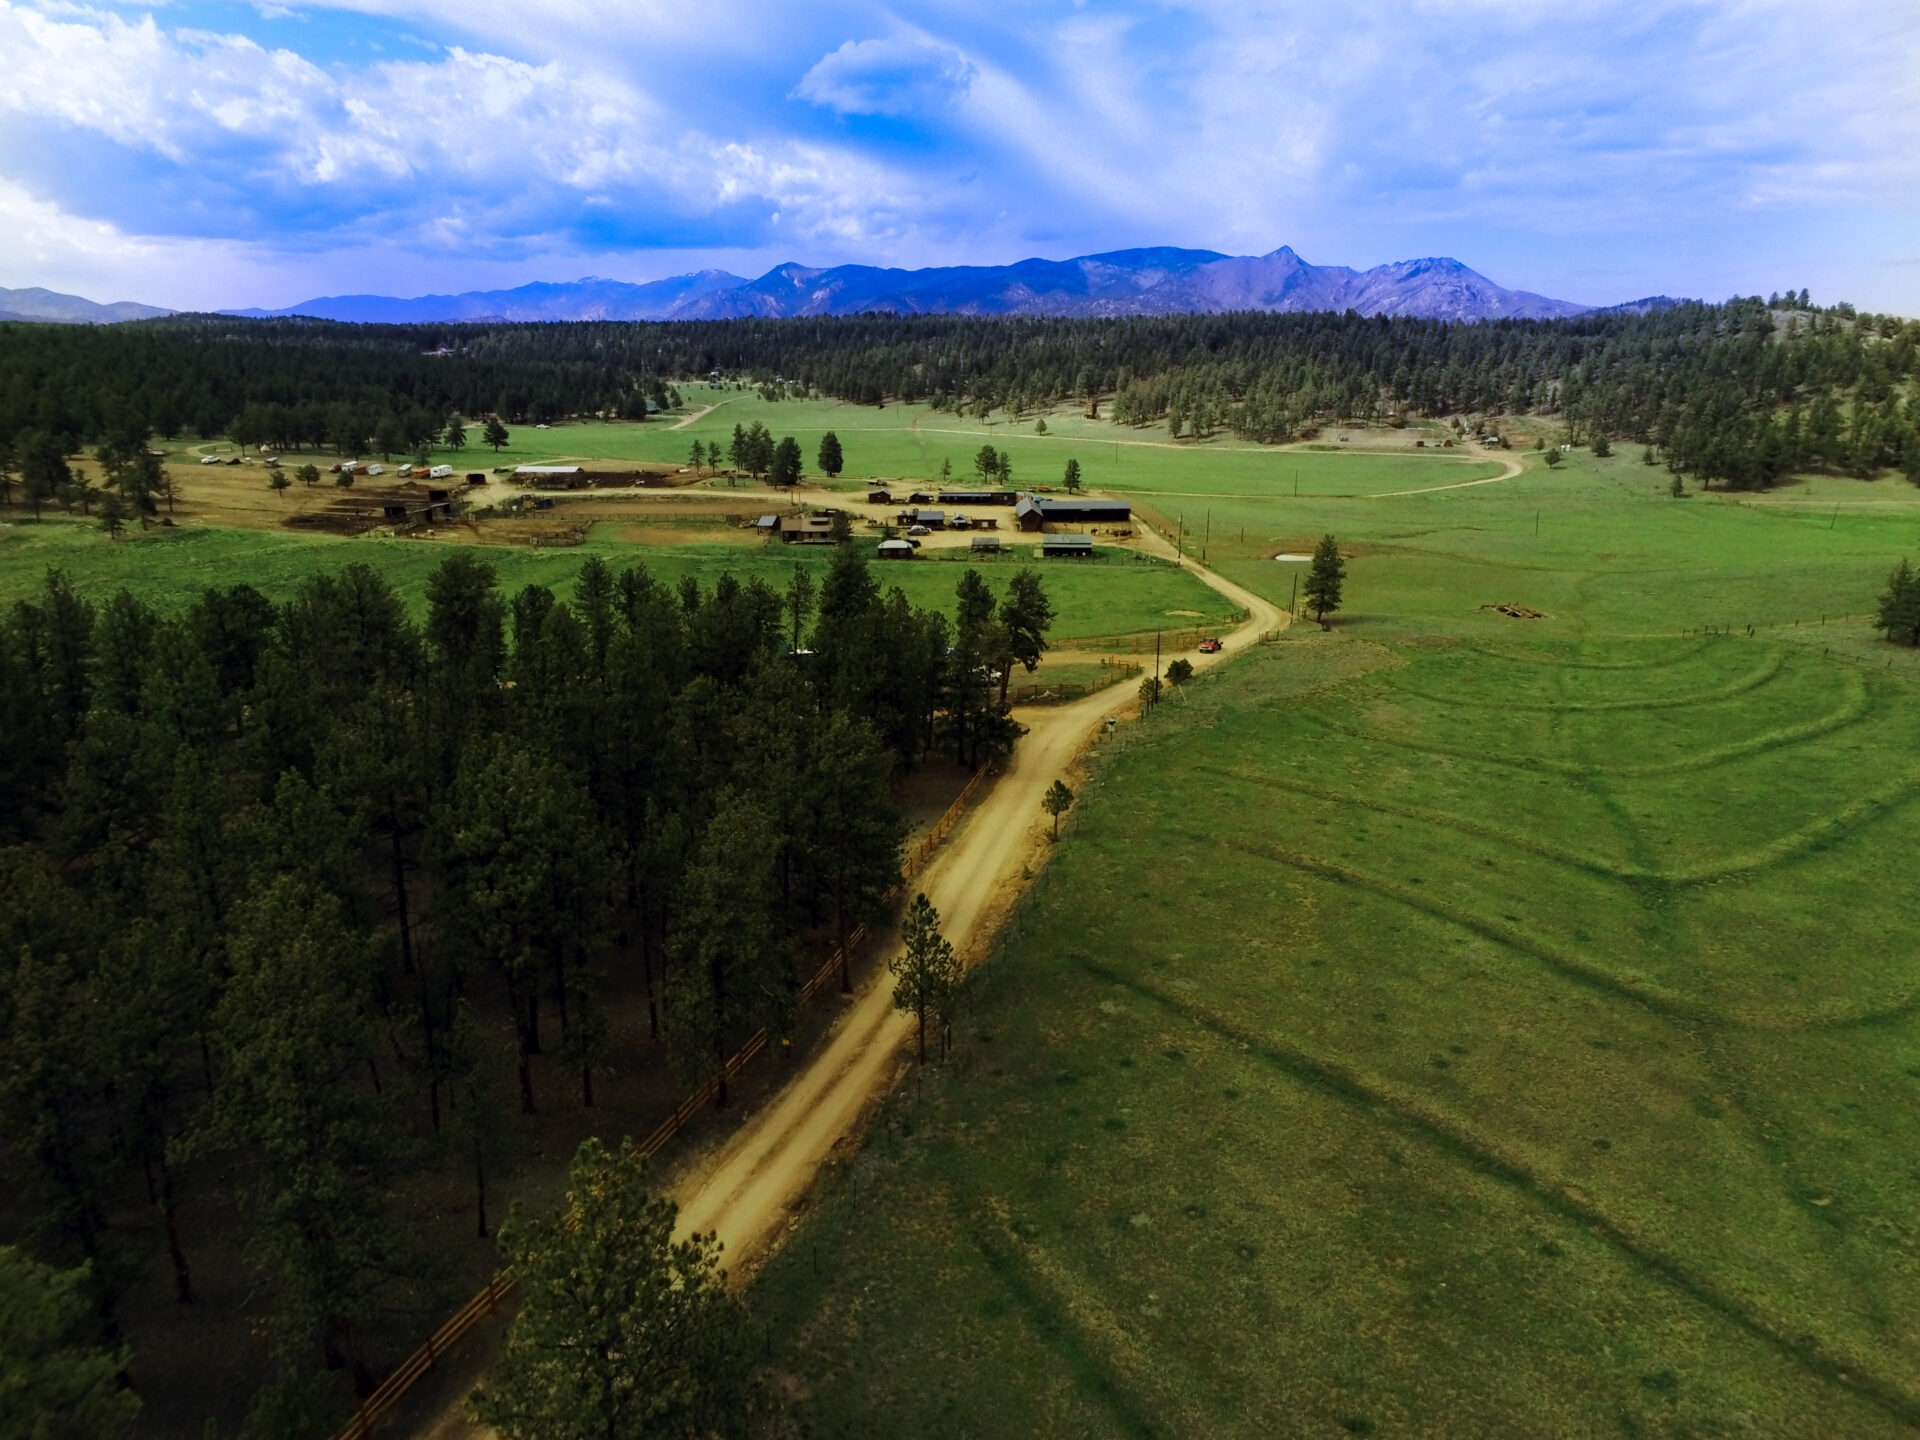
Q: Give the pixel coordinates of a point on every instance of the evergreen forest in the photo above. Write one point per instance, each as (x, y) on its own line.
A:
(291, 896)
(1741, 393)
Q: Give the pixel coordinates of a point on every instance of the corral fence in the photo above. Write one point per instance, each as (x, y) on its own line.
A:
(487, 1302)
(1041, 693)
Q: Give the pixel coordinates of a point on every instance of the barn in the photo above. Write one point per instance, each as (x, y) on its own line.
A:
(1034, 513)
(1067, 547)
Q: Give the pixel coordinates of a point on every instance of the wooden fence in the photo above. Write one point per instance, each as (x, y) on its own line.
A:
(487, 1302)
(917, 861)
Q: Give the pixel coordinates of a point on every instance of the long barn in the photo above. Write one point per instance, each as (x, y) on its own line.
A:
(1034, 513)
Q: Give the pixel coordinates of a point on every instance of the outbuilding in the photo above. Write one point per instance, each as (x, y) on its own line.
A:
(895, 550)
(979, 497)
(932, 519)
(807, 529)
(1034, 513)
(879, 497)
(986, 544)
(1067, 547)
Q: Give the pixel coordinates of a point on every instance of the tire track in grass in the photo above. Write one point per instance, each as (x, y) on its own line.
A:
(1065, 1321)
(1667, 1003)
(1808, 837)
(1415, 1115)
(1687, 653)
(1753, 681)
(1851, 710)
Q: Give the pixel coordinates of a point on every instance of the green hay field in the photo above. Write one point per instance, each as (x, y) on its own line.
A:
(911, 442)
(1452, 1026)
(168, 568)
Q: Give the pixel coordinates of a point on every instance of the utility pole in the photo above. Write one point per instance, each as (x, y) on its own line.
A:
(1180, 542)
(1155, 691)
(1294, 600)
(1206, 537)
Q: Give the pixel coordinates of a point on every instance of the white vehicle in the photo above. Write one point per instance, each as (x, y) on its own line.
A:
(376, 469)
(209, 459)
(918, 530)
(440, 472)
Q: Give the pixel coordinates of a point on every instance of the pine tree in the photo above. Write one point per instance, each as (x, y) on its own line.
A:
(495, 433)
(1059, 799)
(1325, 579)
(624, 1333)
(54, 1384)
(783, 469)
(1899, 609)
(831, 461)
(926, 971)
(732, 975)
(1072, 478)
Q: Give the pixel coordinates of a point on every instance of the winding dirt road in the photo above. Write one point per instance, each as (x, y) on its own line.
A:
(748, 1187)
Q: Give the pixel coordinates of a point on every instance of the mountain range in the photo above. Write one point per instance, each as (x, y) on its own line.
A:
(1153, 281)
(1156, 281)
(43, 305)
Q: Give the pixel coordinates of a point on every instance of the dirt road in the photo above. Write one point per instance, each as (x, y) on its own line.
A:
(1511, 468)
(746, 1189)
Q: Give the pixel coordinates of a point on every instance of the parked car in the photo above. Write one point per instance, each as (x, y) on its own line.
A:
(918, 530)
(1210, 645)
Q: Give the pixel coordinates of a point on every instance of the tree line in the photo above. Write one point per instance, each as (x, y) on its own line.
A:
(300, 900)
(1731, 392)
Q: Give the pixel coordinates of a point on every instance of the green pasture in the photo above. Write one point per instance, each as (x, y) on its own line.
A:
(1451, 1026)
(169, 567)
(911, 442)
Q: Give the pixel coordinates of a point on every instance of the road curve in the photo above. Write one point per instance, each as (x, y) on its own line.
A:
(746, 1190)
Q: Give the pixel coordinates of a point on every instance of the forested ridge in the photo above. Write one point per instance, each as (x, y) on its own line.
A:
(1741, 392)
(291, 896)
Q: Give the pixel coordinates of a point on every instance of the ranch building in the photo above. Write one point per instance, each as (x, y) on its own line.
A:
(806, 529)
(1034, 513)
(896, 550)
(1067, 547)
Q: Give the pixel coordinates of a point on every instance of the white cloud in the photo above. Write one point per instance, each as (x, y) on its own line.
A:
(888, 77)
(1554, 139)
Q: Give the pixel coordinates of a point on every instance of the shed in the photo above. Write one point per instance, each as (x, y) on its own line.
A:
(1067, 547)
(986, 544)
(932, 519)
(768, 524)
(879, 497)
(895, 550)
(476, 478)
(979, 497)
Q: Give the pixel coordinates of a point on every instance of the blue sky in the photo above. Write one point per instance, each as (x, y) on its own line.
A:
(203, 154)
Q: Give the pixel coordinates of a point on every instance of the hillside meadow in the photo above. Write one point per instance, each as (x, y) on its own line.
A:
(168, 568)
(913, 441)
(1449, 1025)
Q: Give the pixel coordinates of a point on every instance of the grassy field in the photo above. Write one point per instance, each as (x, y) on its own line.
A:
(912, 442)
(169, 567)
(1453, 1026)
